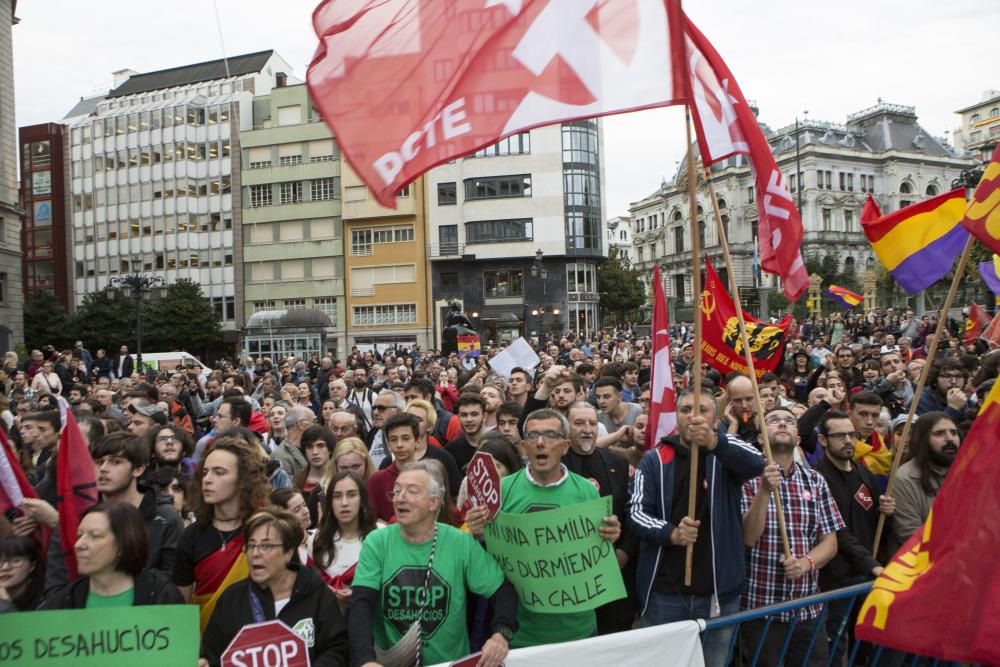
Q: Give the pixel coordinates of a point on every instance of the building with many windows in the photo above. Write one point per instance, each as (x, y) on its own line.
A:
(979, 132)
(293, 237)
(44, 232)
(386, 268)
(517, 230)
(831, 169)
(154, 186)
(11, 293)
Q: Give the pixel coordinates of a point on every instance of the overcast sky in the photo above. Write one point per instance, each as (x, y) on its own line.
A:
(791, 56)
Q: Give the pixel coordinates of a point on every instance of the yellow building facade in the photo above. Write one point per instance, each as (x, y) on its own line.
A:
(386, 270)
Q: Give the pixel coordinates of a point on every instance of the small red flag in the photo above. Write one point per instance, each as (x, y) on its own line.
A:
(871, 212)
(662, 395)
(75, 485)
(978, 318)
(939, 595)
(726, 125)
(992, 333)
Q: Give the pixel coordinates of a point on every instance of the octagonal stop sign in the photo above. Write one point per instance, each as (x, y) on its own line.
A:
(268, 644)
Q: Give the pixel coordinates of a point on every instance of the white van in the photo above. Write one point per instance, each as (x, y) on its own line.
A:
(169, 361)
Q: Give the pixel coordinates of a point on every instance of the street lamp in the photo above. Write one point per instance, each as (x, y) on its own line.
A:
(538, 270)
(137, 286)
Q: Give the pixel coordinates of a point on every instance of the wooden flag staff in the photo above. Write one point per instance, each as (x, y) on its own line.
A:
(696, 298)
(897, 454)
(748, 355)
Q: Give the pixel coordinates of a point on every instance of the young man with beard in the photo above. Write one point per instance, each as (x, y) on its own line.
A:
(934, 443)
(812, 521)
(492, 393)
(609, 473)
(854, 489)
(418, 551)
(360, 395)
(658, 515)
(471, 414)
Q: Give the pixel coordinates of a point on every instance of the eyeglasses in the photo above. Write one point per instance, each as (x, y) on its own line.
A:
(13, 561)
(263, 547)
(848, 436)
(400, 492)
(546, 436)
(380, 408)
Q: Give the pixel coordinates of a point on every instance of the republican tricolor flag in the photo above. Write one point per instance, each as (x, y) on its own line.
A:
(662, 395)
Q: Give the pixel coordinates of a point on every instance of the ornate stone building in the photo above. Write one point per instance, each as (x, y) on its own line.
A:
(831, 169)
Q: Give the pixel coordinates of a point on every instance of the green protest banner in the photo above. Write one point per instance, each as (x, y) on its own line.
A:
(151, 636)
(556, 559)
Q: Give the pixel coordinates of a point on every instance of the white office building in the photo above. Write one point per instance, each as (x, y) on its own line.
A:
(155, 177)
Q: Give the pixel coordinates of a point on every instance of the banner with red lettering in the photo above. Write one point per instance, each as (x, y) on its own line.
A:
(940, 594)
(409, 84)
(721, 344)
(726, 126)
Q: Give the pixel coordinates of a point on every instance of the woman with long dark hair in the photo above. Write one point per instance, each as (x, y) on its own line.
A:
(348, 518)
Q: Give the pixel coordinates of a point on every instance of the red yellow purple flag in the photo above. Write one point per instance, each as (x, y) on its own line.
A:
(982, 218)
(940, 594)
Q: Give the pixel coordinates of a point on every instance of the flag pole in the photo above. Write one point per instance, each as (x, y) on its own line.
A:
(695, 300)
(748, 354)
(897, 455)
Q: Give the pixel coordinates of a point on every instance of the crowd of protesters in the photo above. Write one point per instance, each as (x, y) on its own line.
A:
(304, 489)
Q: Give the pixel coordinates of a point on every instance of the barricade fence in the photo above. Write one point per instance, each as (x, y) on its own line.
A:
(759, 637)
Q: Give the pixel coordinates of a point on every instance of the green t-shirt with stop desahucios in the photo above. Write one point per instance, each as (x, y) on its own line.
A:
(397, 569)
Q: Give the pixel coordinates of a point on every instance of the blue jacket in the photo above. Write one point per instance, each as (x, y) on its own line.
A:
(727, 467)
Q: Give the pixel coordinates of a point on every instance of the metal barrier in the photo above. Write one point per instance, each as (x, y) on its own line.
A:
(840, 641)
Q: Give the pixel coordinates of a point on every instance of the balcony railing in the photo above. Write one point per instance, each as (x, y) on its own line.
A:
(446, 249)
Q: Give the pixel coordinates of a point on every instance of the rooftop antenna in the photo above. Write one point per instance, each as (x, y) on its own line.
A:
(222, 42)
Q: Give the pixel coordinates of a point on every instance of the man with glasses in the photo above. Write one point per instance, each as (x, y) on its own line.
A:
(945, 390)
(544, 484)
(289, 453)
(387, 404)
(812, 521)
(856, 491)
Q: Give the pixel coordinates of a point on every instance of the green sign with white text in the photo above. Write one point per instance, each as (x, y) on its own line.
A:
(557, 559)
(150, 636)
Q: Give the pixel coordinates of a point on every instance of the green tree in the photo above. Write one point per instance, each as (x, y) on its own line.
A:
(182, 320)
(46, 321)
(105, 320)
(622, 291)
